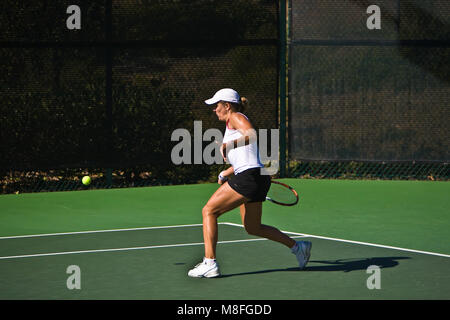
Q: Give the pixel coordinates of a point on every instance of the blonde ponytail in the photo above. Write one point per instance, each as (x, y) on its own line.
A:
(244, 104)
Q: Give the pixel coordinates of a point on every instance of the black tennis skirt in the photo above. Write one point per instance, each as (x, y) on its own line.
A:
(251, 184)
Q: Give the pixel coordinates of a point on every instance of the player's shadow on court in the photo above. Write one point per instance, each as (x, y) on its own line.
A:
(342, 265)
(348, 265)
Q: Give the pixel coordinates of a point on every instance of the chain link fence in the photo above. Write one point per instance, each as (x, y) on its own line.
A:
(370, 103)
(103, 100)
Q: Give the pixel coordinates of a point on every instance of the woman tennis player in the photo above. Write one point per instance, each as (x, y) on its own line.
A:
(246, 190)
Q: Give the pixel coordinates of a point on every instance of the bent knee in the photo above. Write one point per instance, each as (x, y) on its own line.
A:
(208, 211)
(253, 230)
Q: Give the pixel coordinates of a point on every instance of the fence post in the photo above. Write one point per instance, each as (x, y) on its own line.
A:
(108, 89)
(282, 84)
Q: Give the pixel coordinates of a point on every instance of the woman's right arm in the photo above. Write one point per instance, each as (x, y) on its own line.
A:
(225, 174)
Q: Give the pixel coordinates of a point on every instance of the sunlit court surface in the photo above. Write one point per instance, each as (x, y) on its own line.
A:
(138, 244)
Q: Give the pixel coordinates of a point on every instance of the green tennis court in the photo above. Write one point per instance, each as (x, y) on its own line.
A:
(139, 243)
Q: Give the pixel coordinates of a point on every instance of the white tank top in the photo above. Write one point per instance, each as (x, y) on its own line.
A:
(243, 157)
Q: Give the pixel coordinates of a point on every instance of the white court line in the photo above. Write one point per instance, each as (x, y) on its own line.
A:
(196, 225)
(97, 231)
(127, 249)
(355, 242)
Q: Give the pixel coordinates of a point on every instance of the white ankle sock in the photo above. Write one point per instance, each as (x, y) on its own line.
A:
(209, 261)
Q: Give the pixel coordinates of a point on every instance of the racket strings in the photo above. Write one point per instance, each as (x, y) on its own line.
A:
(281, 194)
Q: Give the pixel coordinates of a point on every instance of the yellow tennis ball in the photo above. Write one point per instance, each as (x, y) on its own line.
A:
(86, 180)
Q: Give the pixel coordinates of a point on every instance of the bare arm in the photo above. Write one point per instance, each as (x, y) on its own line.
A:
(225, 174)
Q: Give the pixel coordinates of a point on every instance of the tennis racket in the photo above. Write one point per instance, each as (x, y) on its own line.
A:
(282, 194)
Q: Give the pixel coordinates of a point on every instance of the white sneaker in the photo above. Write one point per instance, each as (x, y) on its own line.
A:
(205, 270)
(302, 251)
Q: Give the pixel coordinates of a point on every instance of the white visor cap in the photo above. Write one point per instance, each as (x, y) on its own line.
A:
(226, 94)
